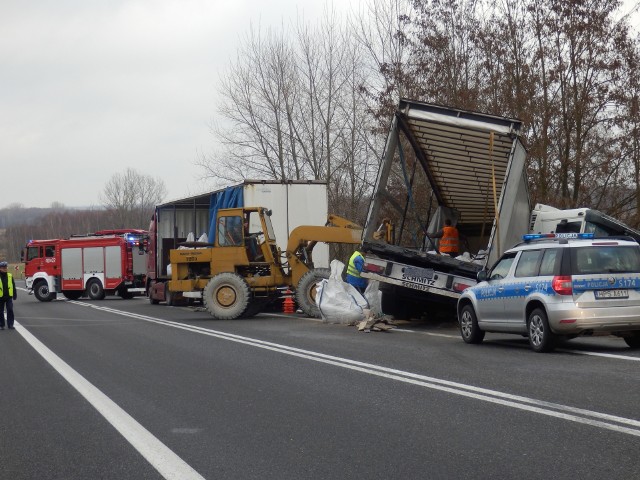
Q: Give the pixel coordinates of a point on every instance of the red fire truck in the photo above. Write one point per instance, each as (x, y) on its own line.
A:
(108, 262)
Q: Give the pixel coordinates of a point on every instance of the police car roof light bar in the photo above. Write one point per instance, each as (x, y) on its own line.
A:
(538, 236)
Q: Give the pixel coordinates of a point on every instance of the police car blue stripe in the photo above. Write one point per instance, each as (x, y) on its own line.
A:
(513, 290)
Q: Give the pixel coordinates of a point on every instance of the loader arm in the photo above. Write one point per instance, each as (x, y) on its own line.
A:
(302, 240)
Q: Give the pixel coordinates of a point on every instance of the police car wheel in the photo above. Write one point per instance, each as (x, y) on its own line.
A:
(541, 338)
(469, 329)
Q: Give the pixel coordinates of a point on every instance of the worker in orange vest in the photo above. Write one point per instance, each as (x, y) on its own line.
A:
(449, 239)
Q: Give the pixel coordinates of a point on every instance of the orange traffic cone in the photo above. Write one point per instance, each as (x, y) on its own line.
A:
(288, 306)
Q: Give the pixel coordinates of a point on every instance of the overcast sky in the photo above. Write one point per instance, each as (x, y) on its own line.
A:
(91, 87)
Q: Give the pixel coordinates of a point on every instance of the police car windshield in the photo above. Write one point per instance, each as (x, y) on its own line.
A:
(605, 259)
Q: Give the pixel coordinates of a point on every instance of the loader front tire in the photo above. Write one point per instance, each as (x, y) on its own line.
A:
(306, 291)
(226, 296)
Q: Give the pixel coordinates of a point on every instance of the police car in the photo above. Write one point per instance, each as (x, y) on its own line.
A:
(555, 286)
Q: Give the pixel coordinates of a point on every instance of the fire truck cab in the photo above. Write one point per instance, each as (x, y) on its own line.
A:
(108, 262)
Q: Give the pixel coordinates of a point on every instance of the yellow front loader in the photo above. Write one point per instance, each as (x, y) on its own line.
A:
(243, 270)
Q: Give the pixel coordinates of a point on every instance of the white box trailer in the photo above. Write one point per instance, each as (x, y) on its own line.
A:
(293, 203)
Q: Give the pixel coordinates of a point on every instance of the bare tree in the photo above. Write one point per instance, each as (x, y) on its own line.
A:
(293, 109)
(629, 122)
(556, 65)
(383, 29)
(130, 198)
(316, 101)
(255, 135)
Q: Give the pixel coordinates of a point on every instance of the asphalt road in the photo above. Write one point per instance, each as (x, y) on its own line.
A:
(124, 389)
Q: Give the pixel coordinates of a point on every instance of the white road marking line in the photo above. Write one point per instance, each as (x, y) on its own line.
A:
(167, 463)
(578, 415)
(598, 354)
(565, 350)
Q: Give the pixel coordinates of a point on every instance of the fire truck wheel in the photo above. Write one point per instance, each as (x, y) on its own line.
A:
(95, 290)
(226, 296)
(306, 291)
(42, 292)
(72, 294)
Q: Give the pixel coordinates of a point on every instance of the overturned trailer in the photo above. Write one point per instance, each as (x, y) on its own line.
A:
(443, 163)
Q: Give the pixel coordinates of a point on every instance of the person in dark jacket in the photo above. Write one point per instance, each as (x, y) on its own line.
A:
(8, 293)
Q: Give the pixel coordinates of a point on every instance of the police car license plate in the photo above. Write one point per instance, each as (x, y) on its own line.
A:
(603, 294)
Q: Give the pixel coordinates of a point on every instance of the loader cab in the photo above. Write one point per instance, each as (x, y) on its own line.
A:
(230, 231)
(250, 228)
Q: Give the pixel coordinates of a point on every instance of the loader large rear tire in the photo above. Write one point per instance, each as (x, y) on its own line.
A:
(226, 296)
(306, 291)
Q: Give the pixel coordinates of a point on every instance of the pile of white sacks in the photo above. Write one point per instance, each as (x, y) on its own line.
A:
(339, 302)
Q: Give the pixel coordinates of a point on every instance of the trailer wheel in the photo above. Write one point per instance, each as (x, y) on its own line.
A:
(393, 305)
(151, 292)
(72, 294)
(126, 295)
(95, 290)
(254, 308)
(42, 292)
(306, 291)
(171, 298)
(226, 296)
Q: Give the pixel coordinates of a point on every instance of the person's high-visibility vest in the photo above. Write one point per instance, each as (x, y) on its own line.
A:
(351, 268)
(450, 241)
(9, 284)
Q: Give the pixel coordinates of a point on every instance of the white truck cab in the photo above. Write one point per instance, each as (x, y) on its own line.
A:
(547, 219)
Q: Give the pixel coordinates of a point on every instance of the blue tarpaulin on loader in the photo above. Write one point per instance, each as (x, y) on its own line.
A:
(230, 197)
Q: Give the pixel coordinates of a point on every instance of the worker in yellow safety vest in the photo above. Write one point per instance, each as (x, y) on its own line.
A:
(8, 293)
(356, 263)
